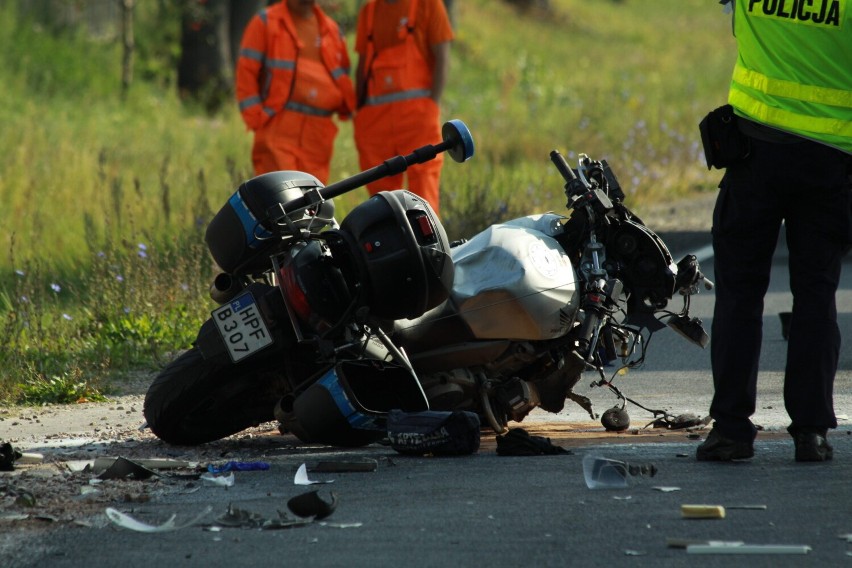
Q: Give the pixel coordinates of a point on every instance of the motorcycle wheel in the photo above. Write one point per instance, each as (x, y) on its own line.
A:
(193, 400)
(615, 419)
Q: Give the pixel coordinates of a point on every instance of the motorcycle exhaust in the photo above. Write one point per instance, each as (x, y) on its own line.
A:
(225, 287)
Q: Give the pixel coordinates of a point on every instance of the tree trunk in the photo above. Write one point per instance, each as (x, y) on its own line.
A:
(211, 31)
(128, 45)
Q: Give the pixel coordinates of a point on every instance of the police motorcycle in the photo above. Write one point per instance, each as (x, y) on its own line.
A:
(328, 327)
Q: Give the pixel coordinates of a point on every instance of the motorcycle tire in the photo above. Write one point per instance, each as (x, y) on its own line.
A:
(194, 401)
(615, 419)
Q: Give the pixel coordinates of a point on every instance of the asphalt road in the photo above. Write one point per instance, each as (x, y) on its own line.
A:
(490, 510)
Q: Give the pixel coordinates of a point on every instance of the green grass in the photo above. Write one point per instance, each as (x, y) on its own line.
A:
(104, 198)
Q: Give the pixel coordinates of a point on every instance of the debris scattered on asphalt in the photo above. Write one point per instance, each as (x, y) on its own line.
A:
(8, 456)
(302, 477)
(102, 463)
(665, 489)
(681, 421)
(605, 473)
(747, 507)
(29, 458)
(702, 511)
(238, 466)
(219, 480)
(716, 548)
(123, 468)
(684, 542)
(311, 505)
(241, 518)
(126, 521)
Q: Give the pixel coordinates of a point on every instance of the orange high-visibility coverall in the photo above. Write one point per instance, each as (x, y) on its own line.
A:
(398, 98)
(292, 75)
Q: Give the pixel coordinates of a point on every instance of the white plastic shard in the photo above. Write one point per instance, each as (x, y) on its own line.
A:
(302, 477)
(126, 521)
(219, 480)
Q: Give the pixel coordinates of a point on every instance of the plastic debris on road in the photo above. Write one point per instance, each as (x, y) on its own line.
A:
(219, 480)
(126, 521)
(302, 477)
(238, 466)
(605, 473)
(311, 505)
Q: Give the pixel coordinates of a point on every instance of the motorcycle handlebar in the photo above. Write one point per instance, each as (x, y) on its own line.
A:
(562, 165)
(573, 185)
(457, 141)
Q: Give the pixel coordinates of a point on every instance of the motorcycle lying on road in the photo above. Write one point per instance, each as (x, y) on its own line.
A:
(328, 327)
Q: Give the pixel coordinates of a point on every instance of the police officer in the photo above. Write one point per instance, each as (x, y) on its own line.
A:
(792, 94)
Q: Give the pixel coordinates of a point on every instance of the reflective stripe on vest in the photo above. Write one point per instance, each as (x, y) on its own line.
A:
(398, 96)
(307, 109)
(781, 88)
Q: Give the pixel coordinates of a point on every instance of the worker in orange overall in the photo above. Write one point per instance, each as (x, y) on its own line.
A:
(292, 76)
(403, 48)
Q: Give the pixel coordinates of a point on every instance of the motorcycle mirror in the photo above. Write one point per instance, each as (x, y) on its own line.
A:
(457, 135)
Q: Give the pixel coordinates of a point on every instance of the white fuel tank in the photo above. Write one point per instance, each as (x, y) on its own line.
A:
(514, 281)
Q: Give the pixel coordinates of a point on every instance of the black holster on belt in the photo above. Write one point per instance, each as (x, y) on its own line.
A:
(724, 143)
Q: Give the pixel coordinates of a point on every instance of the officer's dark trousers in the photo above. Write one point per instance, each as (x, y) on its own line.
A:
(806, 186)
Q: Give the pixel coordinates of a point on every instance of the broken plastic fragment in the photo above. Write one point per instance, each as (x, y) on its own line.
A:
(311, 505)
(30, 458)
(716, 548)
(219, 480)
(605, 473)
(101, 463)
(302, 477)
(126, 521)
(702, 511)
(665, 489)
(123, 468)
(235, 518)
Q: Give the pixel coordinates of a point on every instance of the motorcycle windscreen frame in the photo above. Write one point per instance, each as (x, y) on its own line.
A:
(514, 281)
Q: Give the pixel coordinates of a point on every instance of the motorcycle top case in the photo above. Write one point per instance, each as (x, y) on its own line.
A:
(401, 253)
(241, 235)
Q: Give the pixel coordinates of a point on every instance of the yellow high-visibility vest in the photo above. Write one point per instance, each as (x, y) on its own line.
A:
(794, 67)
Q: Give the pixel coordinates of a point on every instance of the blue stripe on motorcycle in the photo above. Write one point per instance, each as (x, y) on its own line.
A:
(356, 419)
(252, 228)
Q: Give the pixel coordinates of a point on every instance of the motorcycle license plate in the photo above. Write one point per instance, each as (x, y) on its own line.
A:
(242, 327)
